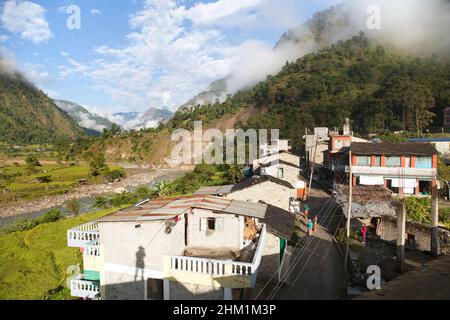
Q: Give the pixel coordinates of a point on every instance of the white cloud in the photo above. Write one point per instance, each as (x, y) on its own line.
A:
(206, 13)
(3, 38)
(63, 53)
(27, 19)
(96, 12)
(173, 52)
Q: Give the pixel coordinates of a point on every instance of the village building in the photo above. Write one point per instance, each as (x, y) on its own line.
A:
(278, 163)
(197, 247)
(269, 147)
(404, 168)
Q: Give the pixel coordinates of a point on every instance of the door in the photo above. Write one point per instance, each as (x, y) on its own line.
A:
(155, 289)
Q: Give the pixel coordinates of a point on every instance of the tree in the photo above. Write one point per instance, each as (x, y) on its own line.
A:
(97, 165)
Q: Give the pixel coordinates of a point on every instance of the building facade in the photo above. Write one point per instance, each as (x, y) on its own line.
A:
(404, 168)
(198, 247)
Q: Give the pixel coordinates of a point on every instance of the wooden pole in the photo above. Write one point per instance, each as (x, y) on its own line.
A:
(349, 212)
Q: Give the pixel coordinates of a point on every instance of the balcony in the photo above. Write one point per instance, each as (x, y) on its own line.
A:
(223, 273)
(83, 235)
(394, 171)
(92, 249)
(85, 289)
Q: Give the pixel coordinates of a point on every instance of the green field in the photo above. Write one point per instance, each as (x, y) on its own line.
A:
(17, 182)
(34, 263)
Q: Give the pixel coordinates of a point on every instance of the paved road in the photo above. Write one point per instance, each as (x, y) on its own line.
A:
(318, 271)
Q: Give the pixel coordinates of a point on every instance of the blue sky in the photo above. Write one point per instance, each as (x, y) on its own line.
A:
(130, 55)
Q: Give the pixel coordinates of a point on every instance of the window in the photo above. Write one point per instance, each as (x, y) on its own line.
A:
(393, 162)
(363, 161)
(424, 162)
(280, 173)
(211, 224)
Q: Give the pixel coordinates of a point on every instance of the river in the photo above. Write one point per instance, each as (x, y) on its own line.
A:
(87, 202)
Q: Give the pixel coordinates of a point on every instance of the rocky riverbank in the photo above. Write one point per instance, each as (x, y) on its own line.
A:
(24, 207)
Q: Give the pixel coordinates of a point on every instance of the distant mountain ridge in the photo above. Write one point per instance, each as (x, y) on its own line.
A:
(141, 120)
(217, 90)
(84, 118)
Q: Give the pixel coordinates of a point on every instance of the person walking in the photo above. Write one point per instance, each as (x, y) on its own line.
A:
(364, 233)
(310, 227)
(306, 212)
(316, 224)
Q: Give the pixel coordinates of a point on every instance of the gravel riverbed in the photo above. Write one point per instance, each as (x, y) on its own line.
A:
(27, 207)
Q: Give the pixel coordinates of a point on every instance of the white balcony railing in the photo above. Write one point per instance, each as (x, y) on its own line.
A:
(83, 235)
(92, 249)
(84, 288)
(221, 268)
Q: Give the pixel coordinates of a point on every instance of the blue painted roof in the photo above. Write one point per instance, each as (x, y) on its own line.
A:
(428, 140)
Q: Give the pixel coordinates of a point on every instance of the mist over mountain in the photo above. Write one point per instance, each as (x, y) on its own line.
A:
(83, 117)
(415, 27)
(141, 120)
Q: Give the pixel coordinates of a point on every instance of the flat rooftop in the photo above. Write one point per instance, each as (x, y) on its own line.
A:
(429, 282)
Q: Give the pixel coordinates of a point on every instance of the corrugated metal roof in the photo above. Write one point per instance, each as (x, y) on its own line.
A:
(394, 148)
(214, 190)
(279, 221)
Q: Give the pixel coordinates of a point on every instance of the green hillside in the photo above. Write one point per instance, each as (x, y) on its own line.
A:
(378, 88)
(27, 115)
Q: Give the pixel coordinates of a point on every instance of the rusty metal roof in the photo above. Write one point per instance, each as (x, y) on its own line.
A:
(278, 220)
(214, 190)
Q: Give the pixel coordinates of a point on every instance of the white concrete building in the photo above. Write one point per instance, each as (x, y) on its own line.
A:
(267, 148)
(198, 247)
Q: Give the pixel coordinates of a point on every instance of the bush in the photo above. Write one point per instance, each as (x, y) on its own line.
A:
(44, 179)
(23, 224)
(114, 175)
(102, 203)
(418, 210)
(122, 199)
(73, 206)
(51, 216)
(32, 162)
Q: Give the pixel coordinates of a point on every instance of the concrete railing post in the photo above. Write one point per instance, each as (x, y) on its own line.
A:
(401, 230)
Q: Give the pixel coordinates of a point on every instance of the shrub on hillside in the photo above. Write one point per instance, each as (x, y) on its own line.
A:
(73, 206)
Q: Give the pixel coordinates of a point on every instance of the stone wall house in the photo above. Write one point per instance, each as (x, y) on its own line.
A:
(265, 189)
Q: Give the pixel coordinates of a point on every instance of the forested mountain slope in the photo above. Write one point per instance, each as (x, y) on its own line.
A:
(27, 115)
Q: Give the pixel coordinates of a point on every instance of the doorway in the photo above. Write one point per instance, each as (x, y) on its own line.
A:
(155, 289)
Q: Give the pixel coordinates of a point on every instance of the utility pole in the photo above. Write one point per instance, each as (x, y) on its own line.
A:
(349, 212)
(313, 164)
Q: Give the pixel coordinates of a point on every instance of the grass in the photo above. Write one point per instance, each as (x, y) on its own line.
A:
(21, 184)
(34, 263)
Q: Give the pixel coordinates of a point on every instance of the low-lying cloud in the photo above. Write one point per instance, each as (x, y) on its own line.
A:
(418, 27)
